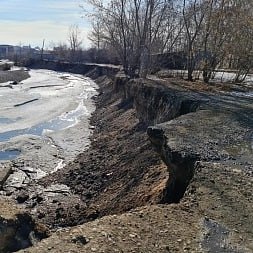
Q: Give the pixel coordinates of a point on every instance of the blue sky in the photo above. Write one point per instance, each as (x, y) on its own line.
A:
(30, 21)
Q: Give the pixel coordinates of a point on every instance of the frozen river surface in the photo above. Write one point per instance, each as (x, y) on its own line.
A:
(49, 111)
(45, 97)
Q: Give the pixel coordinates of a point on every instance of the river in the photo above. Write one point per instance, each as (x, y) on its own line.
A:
(44, 121)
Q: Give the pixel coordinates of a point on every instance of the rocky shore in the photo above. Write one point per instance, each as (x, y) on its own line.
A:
(169, 169)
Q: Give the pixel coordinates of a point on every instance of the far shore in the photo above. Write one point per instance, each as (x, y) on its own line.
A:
(12, 76)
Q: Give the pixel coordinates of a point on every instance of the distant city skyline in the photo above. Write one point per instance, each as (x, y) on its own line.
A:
(28, 22)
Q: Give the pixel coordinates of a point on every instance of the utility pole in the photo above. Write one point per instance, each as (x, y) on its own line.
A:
(42, 49)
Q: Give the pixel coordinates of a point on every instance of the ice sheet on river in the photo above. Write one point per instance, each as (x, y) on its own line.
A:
(58, 95)
(51, 123)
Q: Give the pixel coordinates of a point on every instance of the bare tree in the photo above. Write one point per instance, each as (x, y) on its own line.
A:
(75, 40)
(212, 36)
(221, 30)
(211, 32)
(96, 34)
(240, 44)
(132, 28)
(193, 15)
(61, 51)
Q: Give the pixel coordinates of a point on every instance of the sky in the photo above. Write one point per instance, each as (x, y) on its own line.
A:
(28, 22)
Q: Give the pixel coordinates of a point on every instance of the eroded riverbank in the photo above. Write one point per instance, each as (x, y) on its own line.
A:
(202, 150)
(205, 167)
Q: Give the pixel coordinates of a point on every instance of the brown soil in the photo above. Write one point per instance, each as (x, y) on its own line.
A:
(121, 171)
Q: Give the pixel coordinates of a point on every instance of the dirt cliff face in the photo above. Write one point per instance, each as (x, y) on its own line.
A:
(119, 172)
(17, 228)
(198, 154)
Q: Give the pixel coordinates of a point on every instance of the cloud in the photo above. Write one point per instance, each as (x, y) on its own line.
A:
(30, 21)
(33, 32)
(28, 10)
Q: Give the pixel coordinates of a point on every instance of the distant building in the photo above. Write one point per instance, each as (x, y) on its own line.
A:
(24, 52)
(6, 51)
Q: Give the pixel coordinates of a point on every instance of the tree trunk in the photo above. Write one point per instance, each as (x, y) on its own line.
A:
(205, 76)
(144, 62)
(190, 66)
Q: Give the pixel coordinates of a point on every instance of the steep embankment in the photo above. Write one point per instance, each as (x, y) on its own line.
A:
(121, 170)
(201, 155)
(76, 68)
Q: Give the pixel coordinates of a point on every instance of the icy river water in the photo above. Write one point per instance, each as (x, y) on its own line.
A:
(45, 118)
